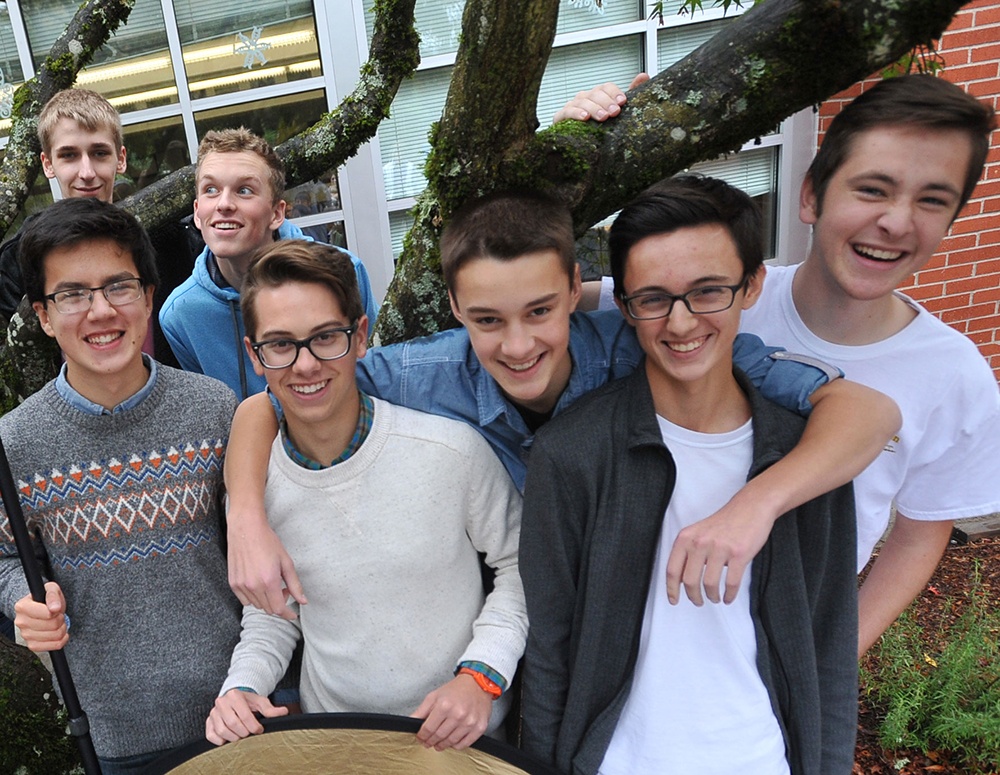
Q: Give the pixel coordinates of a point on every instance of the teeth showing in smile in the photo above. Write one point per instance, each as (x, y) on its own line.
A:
(522, 366)
(307, 390)
(103, 338)
(877, 255)
(226, 226)
(686, 347)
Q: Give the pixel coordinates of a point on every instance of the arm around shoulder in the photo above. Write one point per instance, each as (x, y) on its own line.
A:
(261, 572)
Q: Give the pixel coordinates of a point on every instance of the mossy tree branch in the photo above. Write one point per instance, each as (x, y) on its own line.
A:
(393, 56)
(779, 57)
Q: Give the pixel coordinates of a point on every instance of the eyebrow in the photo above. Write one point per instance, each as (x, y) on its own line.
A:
(701, 281)
(272, 334)
(71, 147)
(533, 303)
(206, 178)
(70, 285)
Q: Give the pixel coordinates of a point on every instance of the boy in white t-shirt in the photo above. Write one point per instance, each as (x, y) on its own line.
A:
(617, 679)
(896, 166)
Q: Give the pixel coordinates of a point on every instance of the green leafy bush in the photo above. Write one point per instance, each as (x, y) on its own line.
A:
(945, 697)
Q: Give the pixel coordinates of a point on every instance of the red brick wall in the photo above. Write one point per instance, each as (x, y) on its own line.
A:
(961, 284)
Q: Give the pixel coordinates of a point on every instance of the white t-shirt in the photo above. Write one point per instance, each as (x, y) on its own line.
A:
(945, 462)
(697, 702)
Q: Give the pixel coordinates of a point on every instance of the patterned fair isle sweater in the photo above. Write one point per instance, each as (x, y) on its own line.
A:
(127, 506)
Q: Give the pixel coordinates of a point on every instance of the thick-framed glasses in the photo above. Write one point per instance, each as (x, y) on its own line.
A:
(118, 293)
(327, 345)
(651, 305)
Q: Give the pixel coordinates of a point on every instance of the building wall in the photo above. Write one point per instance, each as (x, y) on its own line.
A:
(961, 284)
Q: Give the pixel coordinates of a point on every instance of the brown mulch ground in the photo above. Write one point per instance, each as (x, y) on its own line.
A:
(951, 579)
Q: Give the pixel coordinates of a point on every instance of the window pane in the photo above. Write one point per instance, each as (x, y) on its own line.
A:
(753, 171)
(275, 120)
(587, 14)
(403, 136)
(675, 43)
(11, 75)
(399, 223)
(133, 70)
(264, 42)
(573, 68)
(154, 150)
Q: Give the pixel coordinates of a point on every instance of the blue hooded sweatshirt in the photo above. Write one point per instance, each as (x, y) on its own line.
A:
(204, 326)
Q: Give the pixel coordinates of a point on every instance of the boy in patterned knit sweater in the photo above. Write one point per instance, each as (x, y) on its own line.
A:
(118, 462)
(385, 510)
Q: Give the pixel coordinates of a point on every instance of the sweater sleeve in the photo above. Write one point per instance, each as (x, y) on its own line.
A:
(493, 522)
(550, 552)
(264, 651)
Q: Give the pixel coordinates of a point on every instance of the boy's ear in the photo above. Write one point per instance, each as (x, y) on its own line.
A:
(47, 167)
(278, 214)
(454, 308)
(621, 308)
(197, 220)
(576, 288)
(43, 318)
(360, 343)
(253, 357)
(122, 164)
(808, 204)
(755, 284)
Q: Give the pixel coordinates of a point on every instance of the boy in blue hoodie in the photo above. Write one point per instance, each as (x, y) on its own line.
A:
(239, 208)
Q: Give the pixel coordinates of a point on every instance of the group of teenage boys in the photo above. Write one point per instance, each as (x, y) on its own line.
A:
(636, 500)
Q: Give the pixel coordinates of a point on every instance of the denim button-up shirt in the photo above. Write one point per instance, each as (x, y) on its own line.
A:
(441, 374)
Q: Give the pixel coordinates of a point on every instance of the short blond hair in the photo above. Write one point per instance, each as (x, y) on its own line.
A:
(242, 139)
(87, 108)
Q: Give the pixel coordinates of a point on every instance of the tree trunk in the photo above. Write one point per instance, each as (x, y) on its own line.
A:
(488, 117)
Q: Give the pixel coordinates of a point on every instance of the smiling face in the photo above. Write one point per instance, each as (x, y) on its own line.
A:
(517, 315)
(885, 210)
(686, 352)
(102, 346)
(84, 163)
(318, 397)
(236, 209)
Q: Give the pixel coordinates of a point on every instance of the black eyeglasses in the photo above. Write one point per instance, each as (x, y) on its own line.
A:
(327, 345)
(651, 305)
(118, 293)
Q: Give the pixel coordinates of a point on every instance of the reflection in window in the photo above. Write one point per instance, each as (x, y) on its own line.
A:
(153, 150)
(587, 14)
(133, 69)
(227, 51)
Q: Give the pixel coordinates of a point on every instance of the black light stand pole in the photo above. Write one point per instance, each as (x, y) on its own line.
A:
(79, 727)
